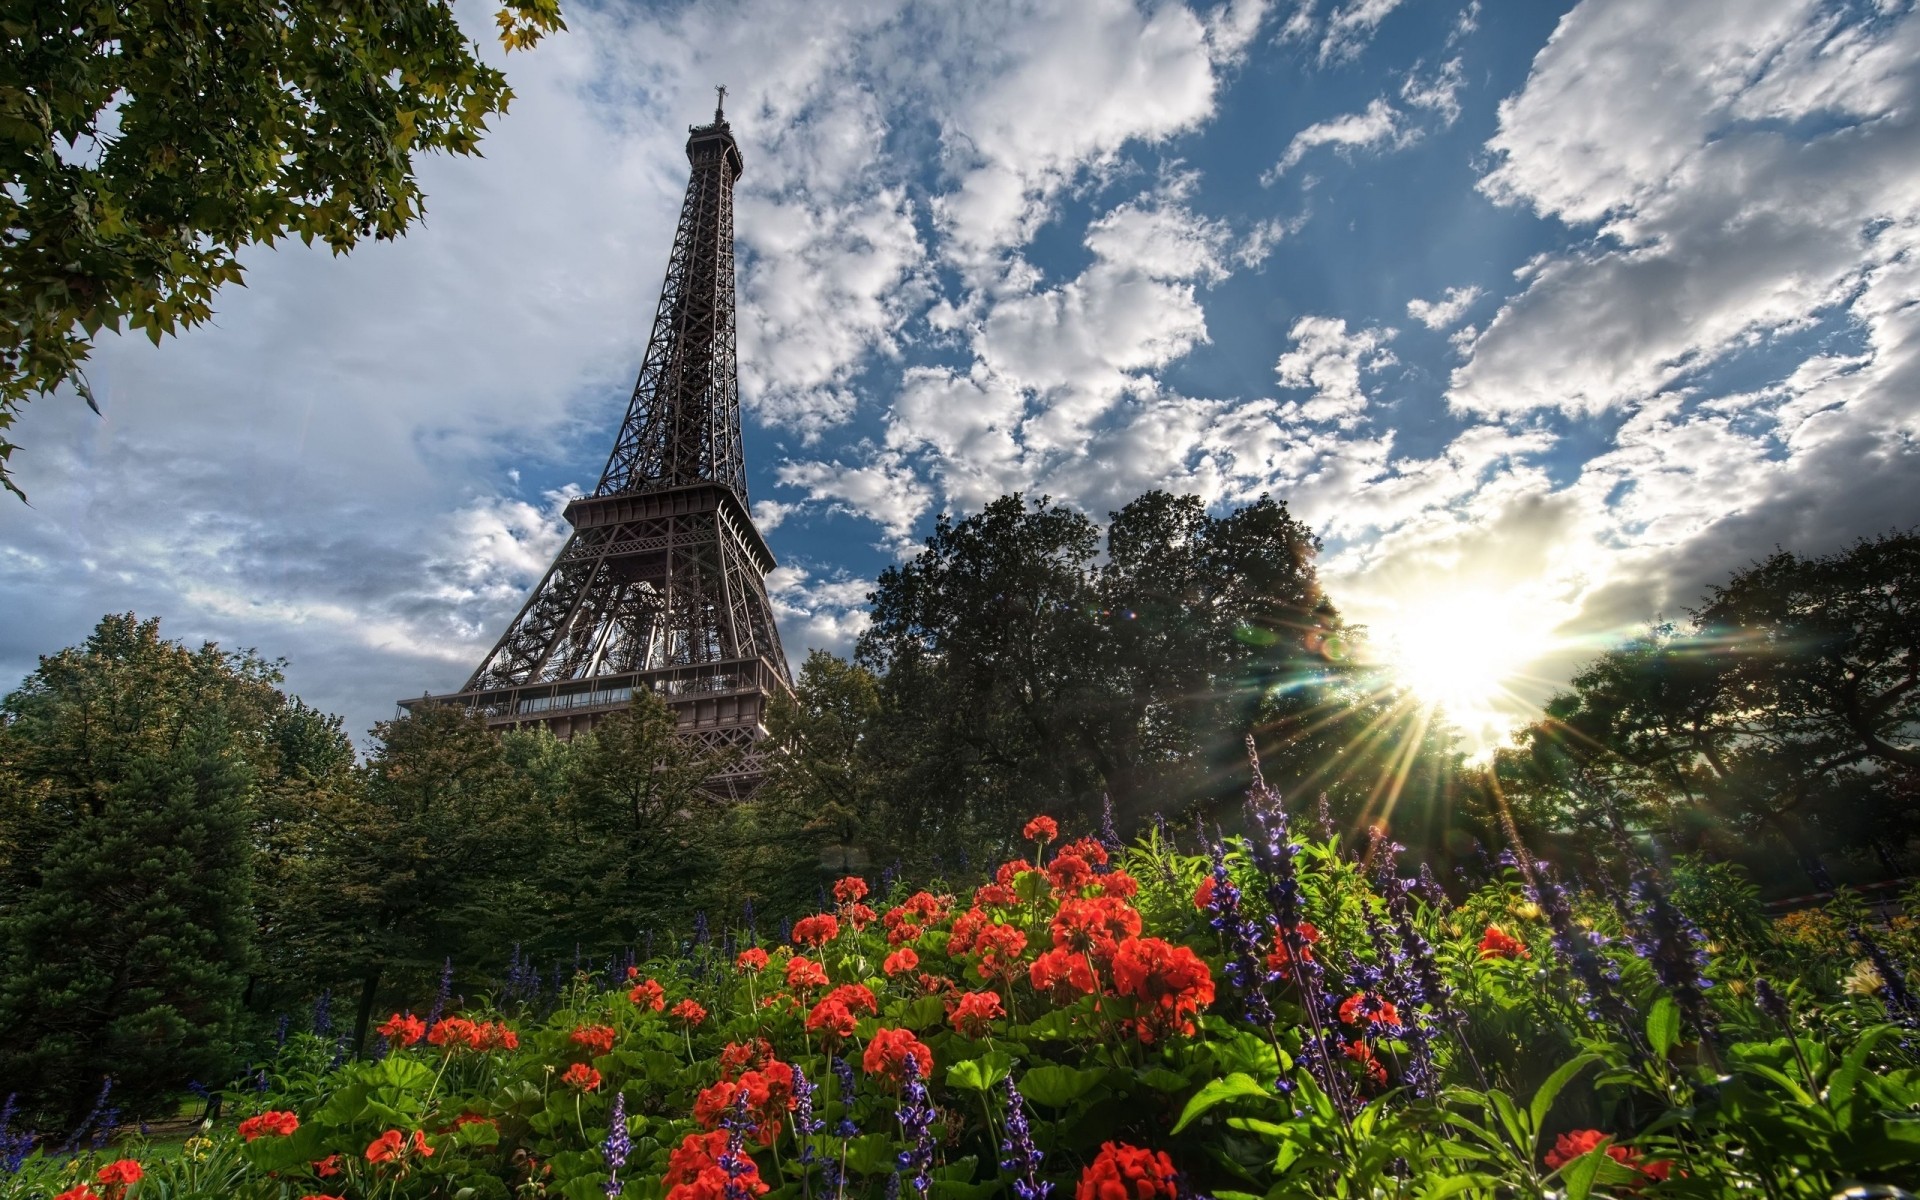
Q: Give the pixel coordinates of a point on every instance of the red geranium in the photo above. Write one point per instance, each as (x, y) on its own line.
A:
(849, 889)
(1363, 1054)
(390, 1146)
(966, 930)
(1010, 871)
(694, 1171)
(328, 1167)
(1089, 849)
(858, 997)
(1498, 943)
(598, 1039)
(998, 895)
(1117, 884)
(1170, 981)
(1123, 1172)
(1041, 829)
(406, 1030)
(123, 1172)
(900, 962)
(769, 1094)
(832, 1020)
(1569, 1146)
(803, 973)
(279, 1124)
(753, 959)
(1000, 948)
(887, 1053)
(690, 1011)
(1069, 872)
(859, 916)
(1094, 926)
(1203, 895)
(736, 1056)
(633, 973)
(649, 995)
(1369, 1008)
(582, 1077)
(83, 1192)
(1063, 975)
(1305, 934)
(975, 1012)
(816, 931)
(453, 1032)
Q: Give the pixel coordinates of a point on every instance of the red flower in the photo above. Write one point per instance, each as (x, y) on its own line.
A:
(124, 1171)
(1041, 829)
(1089, 849)
(859, 916)
(83, 1192)
(1569, 1146)
(279, 1124)
(1499, 944)
(803, 973)
(420, 1142)
(1282, 954)
(769, 1096)
(1069, 872)
(858, 997)
(1117, 884)
(1064, 975)
(387, 1147)
(1169, 980)
(816, 931)
(690, 1012)
(582, 1077)
(1094, 926)
(998, 895)
(1123, 1172)
(1369, 1008)
(849, 889)
(651, 995)
(453, 1032)
(633, 973)
(694, 1171)
(903, 933)
(900, 962)
(753, 959)
(966, 930)
(320, 1196)
(832, 1020)
(328, 1167)
(598, 1039)
(1000, 948)
(406, 1030)
(975, 1012)
(1363, 1054)
(1010, 871)
(1203, 895)
(887, 1054)
(736, 1056)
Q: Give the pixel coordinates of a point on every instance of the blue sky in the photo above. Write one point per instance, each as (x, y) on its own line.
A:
(1544, 315)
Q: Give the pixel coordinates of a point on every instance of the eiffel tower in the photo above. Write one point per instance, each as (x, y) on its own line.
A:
(662, 584)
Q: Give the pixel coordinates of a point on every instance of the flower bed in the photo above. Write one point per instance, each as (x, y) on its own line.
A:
(1278, 1020)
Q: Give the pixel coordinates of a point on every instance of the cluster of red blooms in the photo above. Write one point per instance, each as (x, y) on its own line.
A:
(1569, 1146)
(649, 995)
(454, 1032)
(392, 1146)
(1369, 1008)
(900, 962)
(581, 1077)
(804, 974)
(974, 1013)
(815, 931)
(1498, 943)
(838, 1012)
(1123, 1172)
(1282, 954)
(1171, 982)
(690, 1012)
(1041, 829)
(694, 1171)
(114, 1180)
(907, 921)
(406, 1030)
(598, 1039)
(276, 1124)
(751, 960)
(887, 1053)
(767, 1085)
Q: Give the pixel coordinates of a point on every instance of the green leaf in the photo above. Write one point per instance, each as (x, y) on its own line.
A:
(1663, 1026)
(1579, 1174)
(1162, 1080)
(1057, 1087)
(1550, 1091)
(979, 1074)
(1218, 1091)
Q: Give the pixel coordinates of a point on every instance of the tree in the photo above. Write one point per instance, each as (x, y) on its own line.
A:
(146, 143)
(1788, 707)
(128, 768)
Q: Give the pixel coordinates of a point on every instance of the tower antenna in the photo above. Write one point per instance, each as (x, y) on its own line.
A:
(720, 104)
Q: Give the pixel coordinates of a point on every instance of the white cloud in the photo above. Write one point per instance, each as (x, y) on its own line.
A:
(1329, 359)
(1439, 92)
(1351, 27)
(1380, 124)
(1438, 314)
(818, 613)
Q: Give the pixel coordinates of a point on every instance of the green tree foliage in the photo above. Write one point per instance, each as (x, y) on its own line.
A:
(145, 144)
(1019, 671)
(128, 767)
(1788, 708)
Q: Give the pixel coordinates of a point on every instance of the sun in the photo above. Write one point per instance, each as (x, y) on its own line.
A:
(1461, 651)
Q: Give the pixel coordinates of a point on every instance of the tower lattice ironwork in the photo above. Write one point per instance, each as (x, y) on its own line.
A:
(662, 584)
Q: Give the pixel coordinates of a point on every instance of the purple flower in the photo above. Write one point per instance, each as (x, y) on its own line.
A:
(446, 989)
(1245, 967)
(916, 1128)
(618, 1145)
(1023, 1158)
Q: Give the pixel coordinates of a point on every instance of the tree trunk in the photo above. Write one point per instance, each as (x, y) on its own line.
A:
(369, 987)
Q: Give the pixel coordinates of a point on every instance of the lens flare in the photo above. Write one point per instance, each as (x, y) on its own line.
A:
(1462, 652)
